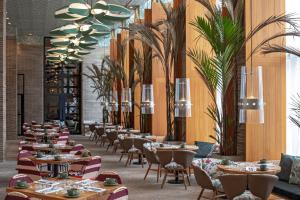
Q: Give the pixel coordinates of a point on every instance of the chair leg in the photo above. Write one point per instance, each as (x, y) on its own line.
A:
(142, 158)
(188, 178)
(107, 147)
(128, 158)
(184, 182)
(131, 158)
(164, 180)
(158, 172)
(147, 171)
(91, 135)
(121, 157)
(200, 195)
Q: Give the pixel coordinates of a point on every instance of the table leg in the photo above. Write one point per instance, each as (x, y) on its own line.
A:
(55, 170)
(176, 180)
(140, 160)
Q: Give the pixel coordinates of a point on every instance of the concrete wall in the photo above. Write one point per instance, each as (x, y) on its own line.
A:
(91, 109)
(30, 63)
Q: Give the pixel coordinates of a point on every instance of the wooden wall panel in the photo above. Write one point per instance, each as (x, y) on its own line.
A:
(159, 125)
(137, 92)
(267, 140)
(200, 125)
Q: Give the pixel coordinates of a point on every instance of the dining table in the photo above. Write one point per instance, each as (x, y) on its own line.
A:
(64, 159)
(249, 168)
(56, 189)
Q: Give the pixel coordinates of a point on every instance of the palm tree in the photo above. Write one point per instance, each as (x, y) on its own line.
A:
(223, 29)
(167, 40)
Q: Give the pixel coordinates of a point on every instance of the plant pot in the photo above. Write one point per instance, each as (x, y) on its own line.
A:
(231, 158)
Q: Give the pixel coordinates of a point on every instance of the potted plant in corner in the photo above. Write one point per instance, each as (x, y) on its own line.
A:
(223, 29)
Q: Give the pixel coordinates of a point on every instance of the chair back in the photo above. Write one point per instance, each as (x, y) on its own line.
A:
(234, 184)
(164, 157)
(28, 167)
(28, 148)
(139, 143)
(16, 196)
(261, 185)
(126, 144)
(91, 170)
(92, 127)
(109, 174)
(119, 194)
(202, 178)
(76, 148)
(19, 177)
(184, 157)
(100, 131)
(33, 122)
(28, 136)
(62, 139)
(64, 133)
(24, 154)
(112, 136)
(151, 156)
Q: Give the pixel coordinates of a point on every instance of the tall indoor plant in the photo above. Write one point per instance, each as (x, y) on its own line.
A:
(223, 29)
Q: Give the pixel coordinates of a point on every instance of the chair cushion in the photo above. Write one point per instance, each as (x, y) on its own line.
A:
(295, 172)
(217, 184)
(210, 165)
(286, 163)
(285, 189)
(173, 166)
(247, 195)
(204, 149)
(133, 150)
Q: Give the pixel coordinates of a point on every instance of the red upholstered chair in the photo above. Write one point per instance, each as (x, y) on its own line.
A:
(33, 122)
(62, 139)
(16, 196)
(28, 136)
(76, 148)
(24, 154)
(28, 148)
(19, 177)
(119, 194)
(109, 174)
(28, 167)
(89, 169)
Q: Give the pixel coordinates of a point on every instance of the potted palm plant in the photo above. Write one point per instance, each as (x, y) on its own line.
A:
(223, 29)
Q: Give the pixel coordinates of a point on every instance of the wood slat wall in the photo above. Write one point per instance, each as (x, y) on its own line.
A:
(268, 140)
(200, 125)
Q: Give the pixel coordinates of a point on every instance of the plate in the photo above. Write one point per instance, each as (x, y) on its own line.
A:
(110, 184)
(21, 187)
(68, 196)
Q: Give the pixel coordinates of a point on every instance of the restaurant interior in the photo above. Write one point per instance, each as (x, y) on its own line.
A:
(149, 99)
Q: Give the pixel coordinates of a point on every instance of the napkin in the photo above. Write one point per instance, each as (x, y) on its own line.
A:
(49, 190)
(92, 189)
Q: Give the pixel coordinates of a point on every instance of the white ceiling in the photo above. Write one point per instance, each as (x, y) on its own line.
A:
(37, 16)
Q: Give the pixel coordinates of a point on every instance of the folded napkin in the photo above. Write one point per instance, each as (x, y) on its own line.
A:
(49, 190)
(85, 182)
(92, 189)
(47, 182)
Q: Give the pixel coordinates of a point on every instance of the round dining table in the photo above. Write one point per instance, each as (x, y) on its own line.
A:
(46, 147)
(249, 168)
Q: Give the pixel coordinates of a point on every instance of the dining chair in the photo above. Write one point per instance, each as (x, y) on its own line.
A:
(28, 148)
(120, 193)
(24, 154)
(33, 122)
(152, 158)
(63, 139)
(109, 174)
(76, 148)
(165, 157)
(234, 185)
(29, 137)
(261, 185)
(89, 169)
(112, 138)
(28, 167)
(206, 183)
(138, 149)
(92, 128)
(100, 133)
(16, 196)
(125, 145)
(19, 177)
(64, 133)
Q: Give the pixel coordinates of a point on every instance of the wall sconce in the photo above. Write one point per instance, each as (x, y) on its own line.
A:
(147, 104)
(251, 102)
(113, 101)
(126, 100)
(183, 105)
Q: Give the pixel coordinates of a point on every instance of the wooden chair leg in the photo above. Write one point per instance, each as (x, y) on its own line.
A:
(142, 158)
(147, 171)
(164, 180)
(122, 154)
(131, 158)
(158, 172)
(184, 181)
(107, 147)
(188, 178)
(200, 195)
(128, 158)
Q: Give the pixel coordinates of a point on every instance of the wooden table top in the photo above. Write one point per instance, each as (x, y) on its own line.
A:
(177, 147)
(242, 168)
(65, 159)
(84, 195)
(45, 147)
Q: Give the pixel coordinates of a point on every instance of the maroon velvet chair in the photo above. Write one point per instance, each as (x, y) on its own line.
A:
(109, 174)
(19, 177)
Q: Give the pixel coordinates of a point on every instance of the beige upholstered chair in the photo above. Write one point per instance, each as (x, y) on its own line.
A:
(112, 137)
(125, 144)
(261, 185)
(234, 185)
(138, 149)
(206, 183)
(92, 128)
(152, 158)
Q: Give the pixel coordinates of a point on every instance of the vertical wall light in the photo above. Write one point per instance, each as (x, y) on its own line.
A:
(147, 104)
(113, 101)
(251, 96)
(126, 100)
(183, 105)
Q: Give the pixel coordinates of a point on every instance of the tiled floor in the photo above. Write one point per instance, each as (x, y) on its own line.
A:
(132, 176)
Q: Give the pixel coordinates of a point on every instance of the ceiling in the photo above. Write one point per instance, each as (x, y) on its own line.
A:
(36, 17)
